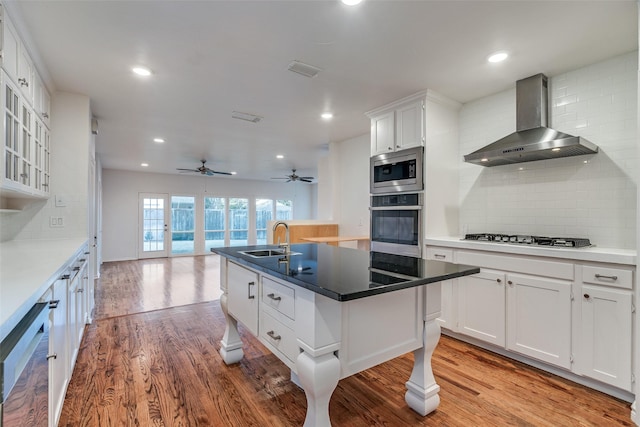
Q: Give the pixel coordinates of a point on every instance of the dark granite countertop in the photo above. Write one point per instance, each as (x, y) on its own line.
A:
(345, 274)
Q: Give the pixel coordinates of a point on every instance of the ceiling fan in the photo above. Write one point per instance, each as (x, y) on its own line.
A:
(294, 177)
(204, 170)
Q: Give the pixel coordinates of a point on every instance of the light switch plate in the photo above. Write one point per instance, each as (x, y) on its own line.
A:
(61, 201)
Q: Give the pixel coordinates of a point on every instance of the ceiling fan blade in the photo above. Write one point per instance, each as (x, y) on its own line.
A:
(188, 170)
(279, 178)
(208, 172)
(222, 173)
(306, 177)
(305, 180)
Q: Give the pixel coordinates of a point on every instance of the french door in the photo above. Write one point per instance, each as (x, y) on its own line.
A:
(153, 233)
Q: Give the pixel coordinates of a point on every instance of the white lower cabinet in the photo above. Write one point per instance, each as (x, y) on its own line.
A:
(481, 306)
(565, 313)
(605, 340)
(539, 318)
(58, 366)
(243, 296)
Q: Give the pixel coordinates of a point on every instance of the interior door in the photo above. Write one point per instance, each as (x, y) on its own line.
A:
(153, 233)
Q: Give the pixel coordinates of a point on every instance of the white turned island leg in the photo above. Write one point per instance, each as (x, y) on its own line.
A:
(319, 377)
(422, 390)
(230, 345)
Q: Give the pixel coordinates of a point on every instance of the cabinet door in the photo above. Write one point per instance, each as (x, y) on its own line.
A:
(242, 292)
(382, 133)
(410, 125)
(448, 313)
(606, 335)
(481, 310)
(539, 318)
(11, 136)
(57, 351)
(25, 74)
(72, 306)
(10, 47)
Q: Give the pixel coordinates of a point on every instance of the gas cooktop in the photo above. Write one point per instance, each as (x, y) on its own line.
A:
(561, 242)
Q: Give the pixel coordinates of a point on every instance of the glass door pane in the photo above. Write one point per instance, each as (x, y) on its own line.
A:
(214, 222)
(154, 218)
(284, 209)
(238, 222)
(264, 214)
(182, 224)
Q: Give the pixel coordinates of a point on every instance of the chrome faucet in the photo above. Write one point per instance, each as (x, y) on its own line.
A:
(286, 245)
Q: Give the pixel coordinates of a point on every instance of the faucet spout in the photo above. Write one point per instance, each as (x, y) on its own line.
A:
(286, 245)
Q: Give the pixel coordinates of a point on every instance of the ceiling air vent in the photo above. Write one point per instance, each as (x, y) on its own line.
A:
(304, 69)
(246, 116)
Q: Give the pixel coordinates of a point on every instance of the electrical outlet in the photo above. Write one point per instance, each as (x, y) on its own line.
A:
(56, 221)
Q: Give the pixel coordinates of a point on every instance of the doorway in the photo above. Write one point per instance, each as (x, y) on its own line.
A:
(154, 220)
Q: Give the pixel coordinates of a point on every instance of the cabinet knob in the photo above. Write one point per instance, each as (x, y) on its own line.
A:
(587, 296)
(510, 282)
(499, 280)
(23, 82)
(389, 148)
(45, 115)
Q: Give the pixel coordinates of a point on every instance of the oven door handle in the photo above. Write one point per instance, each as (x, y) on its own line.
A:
(396, 208)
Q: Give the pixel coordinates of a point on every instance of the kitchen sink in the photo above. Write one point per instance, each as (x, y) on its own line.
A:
(261, 253)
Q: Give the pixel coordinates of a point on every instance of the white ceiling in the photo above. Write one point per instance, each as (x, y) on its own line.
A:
(210, 58)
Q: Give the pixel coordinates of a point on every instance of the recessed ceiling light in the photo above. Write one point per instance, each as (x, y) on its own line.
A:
(245, 116)
(351, 2)
(144, 165)
(158, 140)
(142, 71)
(327, 116)
(498, 57)
(279, 156)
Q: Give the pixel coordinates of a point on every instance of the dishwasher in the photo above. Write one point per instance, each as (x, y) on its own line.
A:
(24, 371)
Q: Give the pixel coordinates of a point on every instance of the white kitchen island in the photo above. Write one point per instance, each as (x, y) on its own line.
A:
(329, 312)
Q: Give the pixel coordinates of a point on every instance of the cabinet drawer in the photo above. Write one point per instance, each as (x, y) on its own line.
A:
(607, 276)
(279, 297)
(278, 336)
(440, 254)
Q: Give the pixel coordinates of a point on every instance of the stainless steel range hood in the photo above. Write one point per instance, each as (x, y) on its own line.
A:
(533, 140)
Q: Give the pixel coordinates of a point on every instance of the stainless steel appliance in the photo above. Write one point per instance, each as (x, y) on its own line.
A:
(400, 171)
(518, 239)
(533, 140)
(24, 371)
(396, 224)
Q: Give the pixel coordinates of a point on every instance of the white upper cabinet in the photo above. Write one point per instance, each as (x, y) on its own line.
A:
(41, 100)
(398, 125)
(16, 60)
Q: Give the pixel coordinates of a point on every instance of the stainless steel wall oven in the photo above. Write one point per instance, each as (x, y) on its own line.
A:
(396, 224)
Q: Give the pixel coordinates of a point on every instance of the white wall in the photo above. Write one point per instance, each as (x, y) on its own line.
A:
(70, 148)
(564, 197)
(120, 191)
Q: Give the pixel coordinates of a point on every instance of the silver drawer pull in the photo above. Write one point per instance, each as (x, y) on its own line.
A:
(274, 297)
(250, 284)
(602, 276)
(273, 336)
(440, 256)
(54, 303)
(52, 356)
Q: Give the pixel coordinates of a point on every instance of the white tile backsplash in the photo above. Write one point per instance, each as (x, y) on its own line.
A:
(591, 196)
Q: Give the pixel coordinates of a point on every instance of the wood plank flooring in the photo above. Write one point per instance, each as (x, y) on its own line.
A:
(162, 367)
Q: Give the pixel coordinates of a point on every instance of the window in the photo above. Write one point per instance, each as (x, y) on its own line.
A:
(283, 209)
(214, 222)
(264, 214)
(238, 222)
(182, 224)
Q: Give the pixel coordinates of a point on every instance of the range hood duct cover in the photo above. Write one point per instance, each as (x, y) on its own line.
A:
(533, 140)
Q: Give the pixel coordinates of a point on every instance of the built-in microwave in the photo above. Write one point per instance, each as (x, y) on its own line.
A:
(400, 171)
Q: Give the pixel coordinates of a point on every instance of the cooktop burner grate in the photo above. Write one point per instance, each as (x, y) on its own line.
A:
(562, 242)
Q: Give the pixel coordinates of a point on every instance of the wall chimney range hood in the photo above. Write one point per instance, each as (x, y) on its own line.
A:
(533, 140)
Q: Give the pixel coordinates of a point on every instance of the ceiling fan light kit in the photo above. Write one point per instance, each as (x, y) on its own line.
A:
(295, 177)
(203, 170)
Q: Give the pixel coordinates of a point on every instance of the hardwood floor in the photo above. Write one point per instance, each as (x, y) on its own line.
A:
(162, 367)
